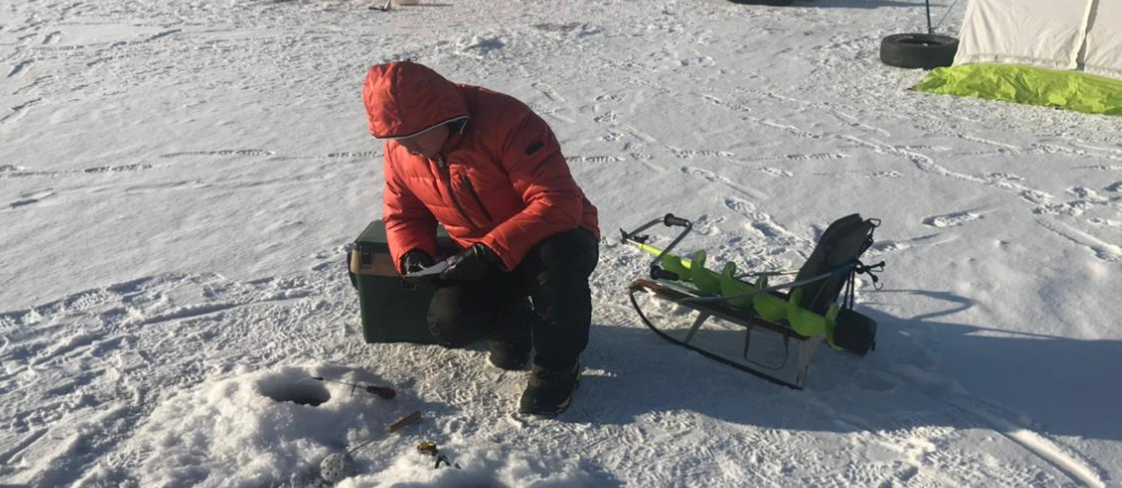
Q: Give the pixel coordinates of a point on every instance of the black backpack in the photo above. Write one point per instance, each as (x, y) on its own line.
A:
(843, 242)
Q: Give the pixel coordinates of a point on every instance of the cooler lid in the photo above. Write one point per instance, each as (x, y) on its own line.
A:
(374, 236)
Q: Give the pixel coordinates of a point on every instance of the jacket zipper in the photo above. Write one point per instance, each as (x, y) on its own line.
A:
(471, 190)
(447, 174)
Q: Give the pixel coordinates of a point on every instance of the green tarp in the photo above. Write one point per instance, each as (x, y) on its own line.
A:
(1025, 84)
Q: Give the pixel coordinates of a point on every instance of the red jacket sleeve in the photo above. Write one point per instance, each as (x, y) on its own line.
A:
(531, 156)
(409, 224)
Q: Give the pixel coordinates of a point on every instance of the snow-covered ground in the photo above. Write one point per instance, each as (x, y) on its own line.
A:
(180, 180)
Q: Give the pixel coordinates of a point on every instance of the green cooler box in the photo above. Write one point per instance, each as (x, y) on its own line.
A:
(393, 310)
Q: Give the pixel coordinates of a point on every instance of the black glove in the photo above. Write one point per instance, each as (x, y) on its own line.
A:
(414, 261)
(471, 264)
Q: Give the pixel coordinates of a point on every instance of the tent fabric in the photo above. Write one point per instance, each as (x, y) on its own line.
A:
(1104, 39)
(1084, 35)
(1040, 52)
(1070, 90)
(1047, 33)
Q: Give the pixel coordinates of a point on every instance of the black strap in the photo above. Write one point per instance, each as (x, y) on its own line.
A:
(848, 299)
(354, 279)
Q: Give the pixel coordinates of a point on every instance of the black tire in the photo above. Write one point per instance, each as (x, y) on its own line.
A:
(927, 51)
(778, 3)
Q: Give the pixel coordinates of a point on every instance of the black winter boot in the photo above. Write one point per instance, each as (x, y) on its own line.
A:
(549, 391)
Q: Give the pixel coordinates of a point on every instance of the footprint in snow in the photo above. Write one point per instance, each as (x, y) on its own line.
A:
(31, 198)
(951, 220)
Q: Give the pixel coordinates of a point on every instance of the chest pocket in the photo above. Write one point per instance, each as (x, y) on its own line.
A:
(467, 199)
(468, 187)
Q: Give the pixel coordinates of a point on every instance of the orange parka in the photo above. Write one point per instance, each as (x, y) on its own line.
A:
(501, 178)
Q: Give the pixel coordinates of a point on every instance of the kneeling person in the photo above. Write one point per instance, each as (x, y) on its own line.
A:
(489, 170)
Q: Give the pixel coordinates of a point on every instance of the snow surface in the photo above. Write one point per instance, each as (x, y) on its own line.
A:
(179, 182)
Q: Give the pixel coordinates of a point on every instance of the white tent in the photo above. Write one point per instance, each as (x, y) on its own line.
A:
(1084, 35)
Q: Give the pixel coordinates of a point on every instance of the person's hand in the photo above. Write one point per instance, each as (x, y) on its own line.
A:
(414, 261)
(471, 264)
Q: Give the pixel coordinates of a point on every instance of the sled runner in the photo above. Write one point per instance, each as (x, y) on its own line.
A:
(808, 313)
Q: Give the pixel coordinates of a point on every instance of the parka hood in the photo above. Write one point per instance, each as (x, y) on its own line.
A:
(404, 99)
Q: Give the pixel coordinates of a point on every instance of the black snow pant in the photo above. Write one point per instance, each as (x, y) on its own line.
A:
(556, 316)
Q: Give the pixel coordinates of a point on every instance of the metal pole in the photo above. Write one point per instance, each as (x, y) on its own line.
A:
(838, 271)
(930, 30)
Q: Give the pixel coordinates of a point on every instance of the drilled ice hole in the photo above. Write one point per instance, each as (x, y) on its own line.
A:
(299, 392)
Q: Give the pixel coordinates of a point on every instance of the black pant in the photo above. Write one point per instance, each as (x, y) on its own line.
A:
(554, 275)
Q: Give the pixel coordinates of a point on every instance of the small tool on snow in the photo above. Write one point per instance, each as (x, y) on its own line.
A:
(338, 466)
(429, 448)
(382, 391)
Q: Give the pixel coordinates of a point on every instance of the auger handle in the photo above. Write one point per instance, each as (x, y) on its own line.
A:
(671, 221)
